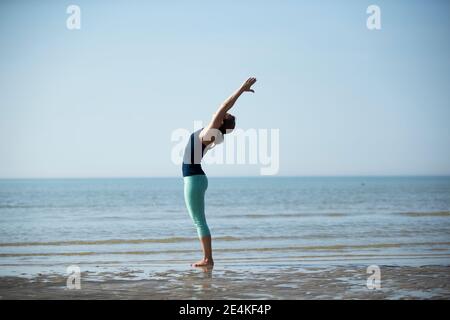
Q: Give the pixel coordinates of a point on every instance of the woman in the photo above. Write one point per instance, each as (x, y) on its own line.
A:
(195, 181)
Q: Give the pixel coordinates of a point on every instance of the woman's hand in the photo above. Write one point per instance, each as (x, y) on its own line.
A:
(246, 86)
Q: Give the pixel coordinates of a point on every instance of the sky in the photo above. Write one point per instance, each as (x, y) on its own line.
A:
(104, 100)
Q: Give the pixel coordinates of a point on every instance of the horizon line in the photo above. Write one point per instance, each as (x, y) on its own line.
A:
(232, 176)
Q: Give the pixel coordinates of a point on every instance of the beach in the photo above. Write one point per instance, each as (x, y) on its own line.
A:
(309, 139)
(280, 238)
(337, 282)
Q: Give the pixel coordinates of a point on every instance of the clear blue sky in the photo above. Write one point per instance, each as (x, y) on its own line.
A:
(103, 101)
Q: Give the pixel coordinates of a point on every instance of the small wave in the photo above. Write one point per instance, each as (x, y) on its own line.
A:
(155, 240)
(335, 214)
(284, 215)
(110, 241)
(426, 214)
(20, 206)
(323, 248)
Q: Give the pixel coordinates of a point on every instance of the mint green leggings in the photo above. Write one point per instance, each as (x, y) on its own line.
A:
(194, 195)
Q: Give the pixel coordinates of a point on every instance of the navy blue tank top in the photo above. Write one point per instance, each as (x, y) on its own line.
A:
(193, 154)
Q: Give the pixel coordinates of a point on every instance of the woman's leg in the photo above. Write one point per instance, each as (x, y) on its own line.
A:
(207, 252)
(194, 196)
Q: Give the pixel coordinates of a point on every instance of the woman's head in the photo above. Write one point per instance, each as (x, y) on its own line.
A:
(228, 124)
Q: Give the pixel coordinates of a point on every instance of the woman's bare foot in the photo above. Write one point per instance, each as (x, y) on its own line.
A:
(205, 262)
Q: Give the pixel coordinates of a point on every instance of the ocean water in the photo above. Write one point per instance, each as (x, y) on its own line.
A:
(49, 224)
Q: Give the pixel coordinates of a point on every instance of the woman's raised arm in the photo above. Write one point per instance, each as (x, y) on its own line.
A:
(218, 117)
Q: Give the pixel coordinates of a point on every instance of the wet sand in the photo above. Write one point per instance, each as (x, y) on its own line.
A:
(290, 282)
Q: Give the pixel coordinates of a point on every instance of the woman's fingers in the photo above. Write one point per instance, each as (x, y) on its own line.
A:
(248, 83)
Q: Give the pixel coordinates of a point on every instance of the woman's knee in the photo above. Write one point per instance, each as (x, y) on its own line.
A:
(203, 230)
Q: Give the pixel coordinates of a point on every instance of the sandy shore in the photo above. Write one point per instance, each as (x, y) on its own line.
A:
(337, 282)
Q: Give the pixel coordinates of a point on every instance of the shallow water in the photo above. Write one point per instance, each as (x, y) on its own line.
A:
(50, 224)
(282, 282)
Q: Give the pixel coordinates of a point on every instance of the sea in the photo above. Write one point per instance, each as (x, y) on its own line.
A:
(48, 225)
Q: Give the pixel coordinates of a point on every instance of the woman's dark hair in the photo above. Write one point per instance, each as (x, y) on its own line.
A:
(229, 123)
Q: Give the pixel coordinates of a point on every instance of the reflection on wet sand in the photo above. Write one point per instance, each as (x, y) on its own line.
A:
(333, 282)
